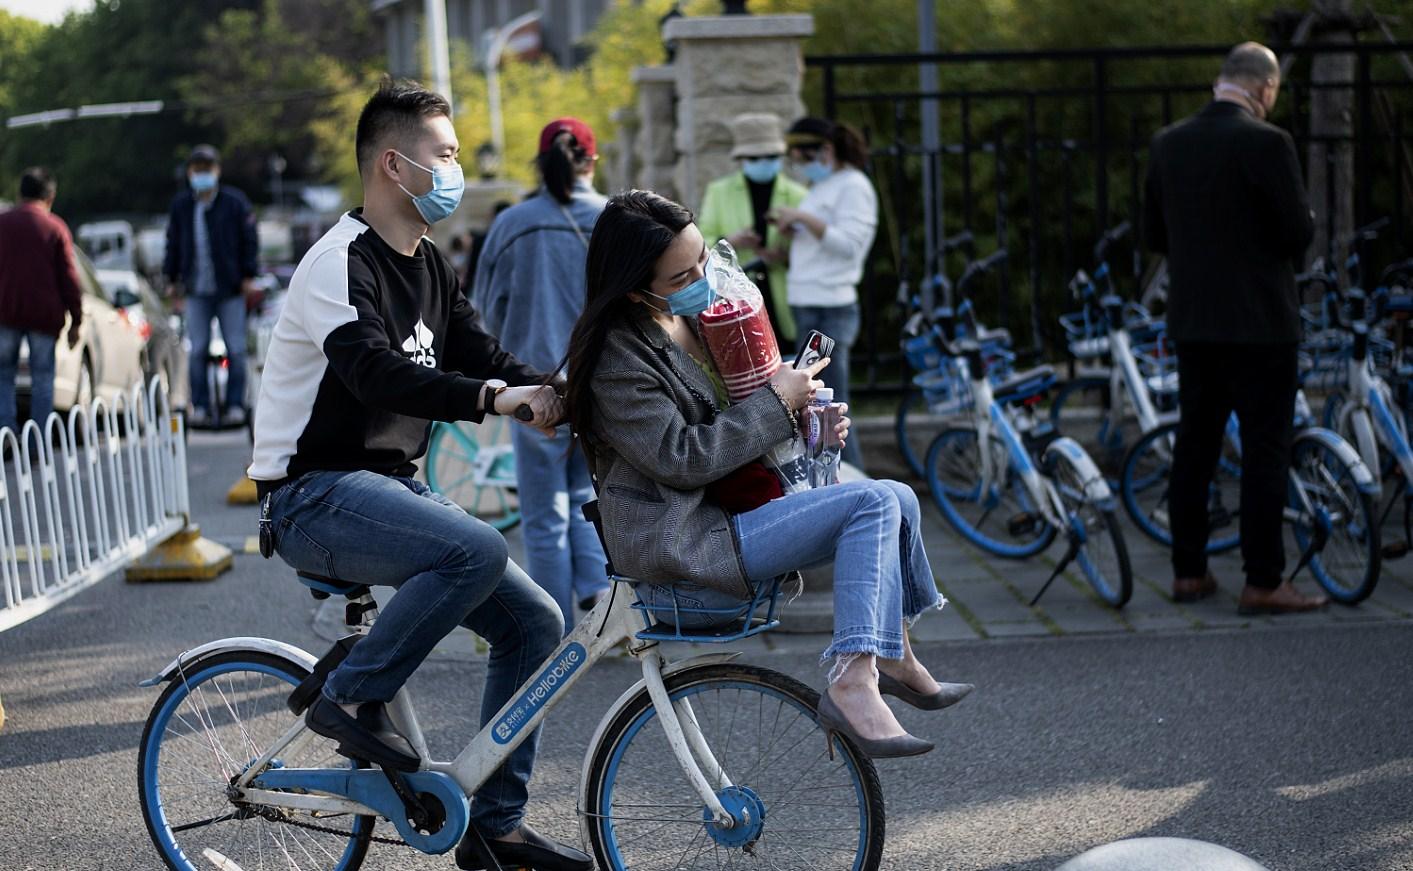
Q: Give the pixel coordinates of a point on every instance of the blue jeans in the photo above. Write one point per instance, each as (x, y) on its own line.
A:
(840, 323)
(870, 530)
(450, 569)
(41, 376)
(562, 550)
(230, 312)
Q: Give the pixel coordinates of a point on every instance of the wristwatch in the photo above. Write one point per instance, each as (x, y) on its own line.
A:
(494, 387)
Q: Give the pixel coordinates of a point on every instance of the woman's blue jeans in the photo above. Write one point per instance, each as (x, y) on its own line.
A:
(869, 530)
(450, 569)
(562, 550)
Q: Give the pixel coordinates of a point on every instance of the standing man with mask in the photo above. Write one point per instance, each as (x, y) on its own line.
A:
(735, 207)
(38, 285)
(1227, 206)
(376, 341)
(212, 259)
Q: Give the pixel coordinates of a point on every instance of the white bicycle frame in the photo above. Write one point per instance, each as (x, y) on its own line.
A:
(1368, 414)
(1127, 384)
(611, 622)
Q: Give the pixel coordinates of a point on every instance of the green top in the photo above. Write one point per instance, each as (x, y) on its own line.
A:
(726, 208)
(717, 385)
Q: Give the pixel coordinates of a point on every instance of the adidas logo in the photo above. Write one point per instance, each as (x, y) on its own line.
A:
(419, 346)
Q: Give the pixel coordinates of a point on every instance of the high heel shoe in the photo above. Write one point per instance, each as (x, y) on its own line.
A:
(834, 722)
(948, 695)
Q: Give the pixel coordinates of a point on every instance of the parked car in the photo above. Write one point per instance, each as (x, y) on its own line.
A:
(108, 357)
(164, 354)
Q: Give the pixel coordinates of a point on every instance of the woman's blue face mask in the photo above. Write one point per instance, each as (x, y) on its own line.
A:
(691, 300)
(761, 169)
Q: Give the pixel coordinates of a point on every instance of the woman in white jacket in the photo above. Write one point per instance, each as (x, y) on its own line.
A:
(831, 234)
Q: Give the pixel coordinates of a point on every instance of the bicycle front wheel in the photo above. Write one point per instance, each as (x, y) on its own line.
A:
(207, 727)
(999, 516)
(474, 467)
(1103, 553)
(1327, 504)
(801, 808)
(1144, 485)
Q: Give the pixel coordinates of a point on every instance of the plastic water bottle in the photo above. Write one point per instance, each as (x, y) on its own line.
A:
(822, 445)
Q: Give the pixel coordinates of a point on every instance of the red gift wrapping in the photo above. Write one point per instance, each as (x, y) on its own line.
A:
(738, 335)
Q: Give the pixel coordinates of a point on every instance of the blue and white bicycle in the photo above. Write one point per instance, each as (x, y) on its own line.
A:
(704, 763)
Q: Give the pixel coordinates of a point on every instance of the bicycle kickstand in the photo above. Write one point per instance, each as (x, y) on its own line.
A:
(1318, 537)
(1070, 554)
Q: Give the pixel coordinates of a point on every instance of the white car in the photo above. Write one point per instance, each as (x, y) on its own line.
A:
(108, 358)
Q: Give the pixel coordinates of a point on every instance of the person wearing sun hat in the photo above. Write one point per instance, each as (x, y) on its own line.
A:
(735, 206)
(529, 287)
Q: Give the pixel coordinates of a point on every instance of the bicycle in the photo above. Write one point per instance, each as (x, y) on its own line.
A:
(1003, 465)
(228, 774)
(474, 466)
(1139, 385)
(920, 350)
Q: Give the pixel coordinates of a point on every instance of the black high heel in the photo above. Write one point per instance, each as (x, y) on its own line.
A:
(948, 695)
(834, 722)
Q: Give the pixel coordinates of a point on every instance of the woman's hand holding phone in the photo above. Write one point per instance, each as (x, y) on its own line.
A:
(796, 386)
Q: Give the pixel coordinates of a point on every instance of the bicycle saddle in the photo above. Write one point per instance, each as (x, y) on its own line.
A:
(1024, 385)
(321, 587)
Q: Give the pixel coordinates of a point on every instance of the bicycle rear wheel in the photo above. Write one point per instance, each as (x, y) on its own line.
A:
(205, 729)
(1103, 555)
(911, 440)
(1143, 486)
(1326, 500)
(459, 468)
(807, 811)
(998, 516)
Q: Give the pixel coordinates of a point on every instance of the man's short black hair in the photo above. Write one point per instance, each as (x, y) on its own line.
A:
(36, 183)
(396, 110)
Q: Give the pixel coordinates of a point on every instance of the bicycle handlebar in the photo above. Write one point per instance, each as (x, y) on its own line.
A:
(979, 267)
(1112, 235)
(963, 239)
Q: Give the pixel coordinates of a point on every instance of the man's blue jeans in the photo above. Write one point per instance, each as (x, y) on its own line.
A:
(450, 569)
(562, 550)
(41, 376)
(870, 530)
(230, 312)
(840, 323)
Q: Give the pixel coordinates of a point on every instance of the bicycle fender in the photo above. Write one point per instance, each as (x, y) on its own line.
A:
(227, 645)
(669, 670)
(1363, 478)
(1096, 488)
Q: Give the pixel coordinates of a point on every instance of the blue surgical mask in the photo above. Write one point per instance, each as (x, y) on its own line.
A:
(816, 172)
(201, 182)
(691, 300)
(448, 183)
(761, 169)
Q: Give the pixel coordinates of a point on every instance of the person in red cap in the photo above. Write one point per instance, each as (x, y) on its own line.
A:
(529, 287)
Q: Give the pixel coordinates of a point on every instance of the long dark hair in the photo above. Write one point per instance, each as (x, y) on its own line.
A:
(849, 146)
(560, 166)
(630, 235)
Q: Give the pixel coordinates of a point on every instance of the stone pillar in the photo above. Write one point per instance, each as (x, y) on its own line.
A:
(618, 167)
(725, 66)
(656, 153)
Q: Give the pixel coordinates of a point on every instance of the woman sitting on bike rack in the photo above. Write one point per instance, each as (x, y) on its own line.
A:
(684, 499)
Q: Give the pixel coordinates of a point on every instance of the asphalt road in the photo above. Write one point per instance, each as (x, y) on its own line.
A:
(1291, 743)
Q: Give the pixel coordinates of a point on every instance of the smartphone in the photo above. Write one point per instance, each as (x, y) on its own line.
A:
(817, 346)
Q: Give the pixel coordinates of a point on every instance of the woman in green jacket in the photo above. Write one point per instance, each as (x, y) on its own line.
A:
(735, 206)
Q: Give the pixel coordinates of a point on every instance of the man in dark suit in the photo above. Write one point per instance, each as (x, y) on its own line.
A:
(1226, 204)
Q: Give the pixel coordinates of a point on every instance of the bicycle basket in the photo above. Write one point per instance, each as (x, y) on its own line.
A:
(1157, 363)
(673, 612)
(946, 389)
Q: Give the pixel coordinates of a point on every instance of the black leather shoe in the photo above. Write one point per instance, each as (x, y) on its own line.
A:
(538, 852)
(371, 736)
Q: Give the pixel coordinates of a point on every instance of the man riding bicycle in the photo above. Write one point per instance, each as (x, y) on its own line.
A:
(375, 341)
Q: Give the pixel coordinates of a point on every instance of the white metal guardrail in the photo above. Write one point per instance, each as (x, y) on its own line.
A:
(83, 497)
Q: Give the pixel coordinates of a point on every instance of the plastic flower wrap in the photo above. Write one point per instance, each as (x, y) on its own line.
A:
(737, 333)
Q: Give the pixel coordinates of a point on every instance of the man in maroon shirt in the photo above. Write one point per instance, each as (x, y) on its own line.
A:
(38, 285)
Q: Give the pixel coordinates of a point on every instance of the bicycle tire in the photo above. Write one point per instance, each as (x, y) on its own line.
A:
(1110, 573)
(154, 744)
(451, 451)
(609, 833)
(911, 402)
(1349, 571)
(956, 448)
(1143, 486)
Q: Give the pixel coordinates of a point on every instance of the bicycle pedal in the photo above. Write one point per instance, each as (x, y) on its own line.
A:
(1023, 524)
(1396, 550)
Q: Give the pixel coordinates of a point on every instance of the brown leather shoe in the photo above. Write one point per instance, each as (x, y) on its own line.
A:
(1284, 599)
(1194, 589)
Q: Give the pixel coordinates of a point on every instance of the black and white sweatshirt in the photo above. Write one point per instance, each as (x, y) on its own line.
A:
(370, 347)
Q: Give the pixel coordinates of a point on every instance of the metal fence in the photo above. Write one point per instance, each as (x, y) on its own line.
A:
(1043, 150)
(84, 496)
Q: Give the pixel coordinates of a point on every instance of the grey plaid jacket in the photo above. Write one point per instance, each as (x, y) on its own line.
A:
(656, 441)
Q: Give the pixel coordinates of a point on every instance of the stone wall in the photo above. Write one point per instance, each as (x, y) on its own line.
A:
(657, 119)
